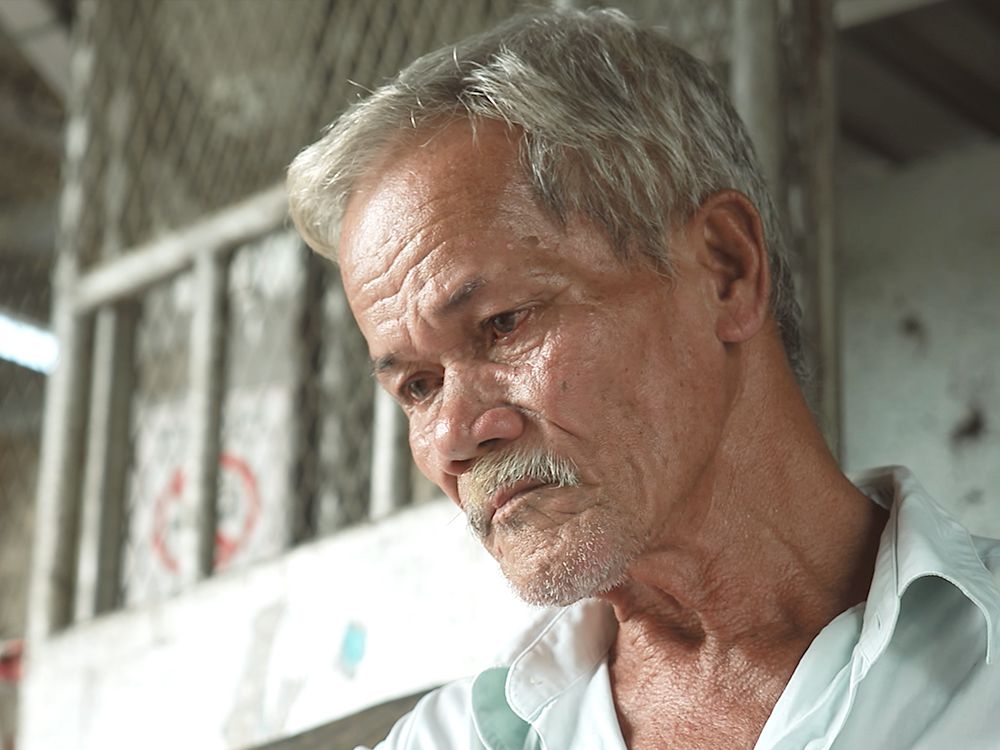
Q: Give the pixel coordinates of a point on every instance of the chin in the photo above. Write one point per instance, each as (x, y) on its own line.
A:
(562, 593)
(566, 572)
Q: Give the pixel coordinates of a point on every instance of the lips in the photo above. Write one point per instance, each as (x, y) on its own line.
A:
(505, 494)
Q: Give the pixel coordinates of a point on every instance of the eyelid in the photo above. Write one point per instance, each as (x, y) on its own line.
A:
(520, 314)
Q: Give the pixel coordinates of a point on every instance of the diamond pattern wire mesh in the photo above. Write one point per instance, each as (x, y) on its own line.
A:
(197, 103)
(193, 105)
(257, 487)
(159, 433)
(700, 26)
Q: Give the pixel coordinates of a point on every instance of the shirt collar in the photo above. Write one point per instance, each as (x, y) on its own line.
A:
(567, 648)
(920, 540)
(563, 646)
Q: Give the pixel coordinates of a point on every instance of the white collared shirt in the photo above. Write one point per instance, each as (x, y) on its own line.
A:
(912, 668)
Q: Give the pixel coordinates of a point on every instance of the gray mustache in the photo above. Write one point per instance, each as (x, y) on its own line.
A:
(495, 471)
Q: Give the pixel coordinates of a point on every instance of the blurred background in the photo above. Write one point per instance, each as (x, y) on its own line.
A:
(211, 533)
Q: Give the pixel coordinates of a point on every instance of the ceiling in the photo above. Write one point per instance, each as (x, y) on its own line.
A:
(917, 84)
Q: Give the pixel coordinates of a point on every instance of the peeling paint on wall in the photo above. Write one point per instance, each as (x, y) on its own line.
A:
(913, 328)
(971, 428)
(244, 722)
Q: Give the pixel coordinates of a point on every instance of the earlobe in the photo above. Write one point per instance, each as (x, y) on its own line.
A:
(734, 255)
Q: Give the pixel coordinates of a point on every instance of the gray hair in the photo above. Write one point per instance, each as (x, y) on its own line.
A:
(617, 124)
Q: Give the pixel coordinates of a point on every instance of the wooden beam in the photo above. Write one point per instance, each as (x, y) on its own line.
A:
(889, 107)
(57, 516)
(873, 140)
(53, 575)
(812, 118)
(988, 10)
(936, 74)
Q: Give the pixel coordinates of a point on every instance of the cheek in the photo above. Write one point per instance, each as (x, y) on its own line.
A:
(420, 445)
(628, 388)
(546, 380)
(422, 449)
(574, 386)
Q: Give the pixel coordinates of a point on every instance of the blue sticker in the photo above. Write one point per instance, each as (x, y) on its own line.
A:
(352, 648)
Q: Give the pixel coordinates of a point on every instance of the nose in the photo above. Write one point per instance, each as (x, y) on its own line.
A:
(469, 424)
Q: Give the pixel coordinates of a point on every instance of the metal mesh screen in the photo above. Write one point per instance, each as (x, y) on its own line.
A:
(185, 107)
(700, 26)
(191, 105)
(159, 434)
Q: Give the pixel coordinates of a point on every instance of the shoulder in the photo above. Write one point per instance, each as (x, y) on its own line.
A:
(442, 718)
(447, 717)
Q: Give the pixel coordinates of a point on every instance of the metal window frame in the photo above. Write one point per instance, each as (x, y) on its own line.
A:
(77, 563)
(85, 432)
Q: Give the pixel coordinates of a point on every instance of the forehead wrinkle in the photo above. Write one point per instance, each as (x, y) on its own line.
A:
(409, 297)
(428, 208)
(424, 243)
(405, 254)
(403, 312)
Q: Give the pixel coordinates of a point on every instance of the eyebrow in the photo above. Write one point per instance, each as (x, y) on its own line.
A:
(456, 300)
(383, 364)
(461, 296)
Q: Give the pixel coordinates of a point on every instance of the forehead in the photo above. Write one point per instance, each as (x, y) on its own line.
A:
(434, 202)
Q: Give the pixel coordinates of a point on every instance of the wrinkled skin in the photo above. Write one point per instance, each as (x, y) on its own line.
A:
(606, 363)
(709, 513)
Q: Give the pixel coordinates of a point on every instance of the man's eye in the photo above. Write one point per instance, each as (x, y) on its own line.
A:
(505, 323)
(416, 390)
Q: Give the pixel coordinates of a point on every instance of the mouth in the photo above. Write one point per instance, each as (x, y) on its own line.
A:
(505, 495)
(496, 484)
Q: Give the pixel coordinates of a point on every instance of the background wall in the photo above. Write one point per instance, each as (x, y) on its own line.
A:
(920, 275)
(332, 627)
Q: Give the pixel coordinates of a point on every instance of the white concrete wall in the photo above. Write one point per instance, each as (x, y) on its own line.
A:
(920, 263)
(332, 627)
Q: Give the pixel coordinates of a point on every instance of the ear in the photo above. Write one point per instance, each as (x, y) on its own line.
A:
(731, 251)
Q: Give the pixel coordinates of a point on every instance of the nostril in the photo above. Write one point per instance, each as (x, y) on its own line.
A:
(489, 443)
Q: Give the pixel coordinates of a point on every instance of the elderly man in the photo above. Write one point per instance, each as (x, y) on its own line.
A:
(558, 246)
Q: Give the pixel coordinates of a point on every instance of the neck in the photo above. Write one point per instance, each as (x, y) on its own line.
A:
(772, 544)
